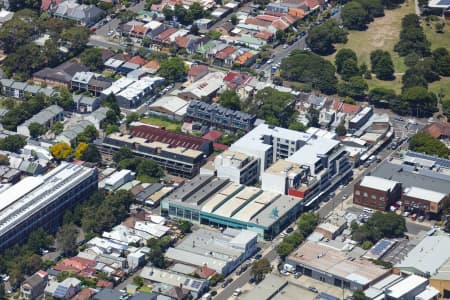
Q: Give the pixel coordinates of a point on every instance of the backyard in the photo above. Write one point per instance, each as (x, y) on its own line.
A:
(170, 125)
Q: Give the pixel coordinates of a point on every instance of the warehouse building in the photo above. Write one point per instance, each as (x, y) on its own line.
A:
(218, 202)
(335, 267)
(222, 252)
(42, 200)
(376, 192)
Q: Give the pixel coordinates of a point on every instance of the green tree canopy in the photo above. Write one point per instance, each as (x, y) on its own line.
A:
(342, 56)
(91, 154)
(441, 58)
(66, 239)
(379, 96)
(36, 129)
(173, 69)
(380, 225)
(427, 144)
(412, 37)
(341, 130)
(92, 58)
(307, 223)
(260, 268)
(12, 143)
(276, 107)
(307, 67)
(421, 102)
(354, 16)
(382, 65)
(230, 99)
(321, 38)
(355, 88)
(121, 154)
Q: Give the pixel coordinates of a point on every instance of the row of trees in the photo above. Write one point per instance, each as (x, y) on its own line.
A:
(183, 15)
(321, 38)
(306, 225)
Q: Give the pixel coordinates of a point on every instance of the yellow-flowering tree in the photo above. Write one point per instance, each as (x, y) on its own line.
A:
(80, 149)
(61, 150)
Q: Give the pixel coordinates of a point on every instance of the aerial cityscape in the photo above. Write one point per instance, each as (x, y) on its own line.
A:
(225, 149)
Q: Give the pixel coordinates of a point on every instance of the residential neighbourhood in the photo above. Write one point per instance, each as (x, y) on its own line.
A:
(198, 149)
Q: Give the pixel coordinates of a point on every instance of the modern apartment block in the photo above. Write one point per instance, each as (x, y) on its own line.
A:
(216, 115)
(236, 166)
(40, 201)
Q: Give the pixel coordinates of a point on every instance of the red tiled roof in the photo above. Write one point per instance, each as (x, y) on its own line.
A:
(166, 33)
(235, 79)
(220, 147)
(265, 35)
(311, 3)
(350, 108)
(437, 130)
(196, 69)
(137, 60)
(280, 24)
(84, 294)
(257, 22)
(104, 283)
(75, 263)
(212, 135)
(205, 272)
(175, 139)
(45, 5)
(267, 18)
(153, 64)
(224, 53)
(182, 41)
(139, 29)
(243, 58)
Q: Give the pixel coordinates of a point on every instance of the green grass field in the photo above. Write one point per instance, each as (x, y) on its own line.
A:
(383, 33)
(169, 125)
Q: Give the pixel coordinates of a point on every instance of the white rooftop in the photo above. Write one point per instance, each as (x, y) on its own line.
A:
(378, 183)
(406, 285)
(425, 194)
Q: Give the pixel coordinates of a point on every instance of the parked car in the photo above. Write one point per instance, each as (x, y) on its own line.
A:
(285, 46)
(421, 219)
(252, 280)
(284, 272)
(297, 275)
(213, 293)
(289, 229)
(406, 213)
(313, 289)
(258, 256)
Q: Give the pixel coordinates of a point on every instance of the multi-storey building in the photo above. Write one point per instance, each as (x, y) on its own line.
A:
(179, 154)
(236, 166)
(376, 192)
(40, 201)
(216, 115)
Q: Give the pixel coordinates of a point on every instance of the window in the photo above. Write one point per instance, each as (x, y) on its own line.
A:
(365, 194)
(373, 197)
(357, 192)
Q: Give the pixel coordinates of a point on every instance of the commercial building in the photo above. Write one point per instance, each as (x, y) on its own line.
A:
(376, 192)
(427, 257)
(222, 252)
(195, 286)
(179, 154)
(218, 116)
(45, 117)
(441, 280)
(41, 201)
(335, 267)
(215, 201)
(236, 166)
(422, 201)
(118, 179)
(169, 106)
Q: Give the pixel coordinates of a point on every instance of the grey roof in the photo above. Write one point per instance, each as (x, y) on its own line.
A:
(19, 85)
(100, 114)
(129, 65)
(427, 257)
(218, 109)
(44, 115)
(82, 99)
(107, 294)
(6, 82)
(423, 178)
(34, 280)
(270, 286)
(72, 132)
(33, 89)
(142, 196)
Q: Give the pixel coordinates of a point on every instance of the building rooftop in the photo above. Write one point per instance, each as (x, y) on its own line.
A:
(173, 279)
(425, 194)
(284, 167)
(321, 257)
(270, 286)
(398, 290)
(24, 198)
(378, 183)
(207, 85)
(44, 115)
(427, 256)
(171, 104)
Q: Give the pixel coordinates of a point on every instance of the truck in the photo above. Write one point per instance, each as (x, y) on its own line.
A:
(289, 268)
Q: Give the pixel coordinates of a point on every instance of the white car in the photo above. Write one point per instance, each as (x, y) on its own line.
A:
(285, 46)
(270, 61)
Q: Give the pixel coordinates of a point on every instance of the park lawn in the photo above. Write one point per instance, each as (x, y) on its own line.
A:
(383, 33)
(395, 84)
(169, 125)
(437, 40)
(443, 86)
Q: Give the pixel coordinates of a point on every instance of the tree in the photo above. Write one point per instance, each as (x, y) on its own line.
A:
(379, 225)
(77, 37)
(173, 69)
(298, 126)
(133, 117)
(441, 58)
(374, 8)
(421, 102)
(354, 16)
(275, 107)
(92, 58)
(19, 30)
(60, 151)
(121, 154)
(382, 64)
(355, 88)
(284, 249)
(66, 239)
(439, 27)
(214, 35)
(411, 59)
(150, 168)
(359, 295)
(234, 19)
(307, 223)
(379, 95)
(138, 281)
(36, 129)
(12, 143)
(307, 67)
(342, 56)
(156, 257)
(349, 69)
(425, 143)
(321, 38)
(38, 240)
(260, 268)
(413, 78)
(57, 127)
(412, 37)
(91, 154)
(184, 226)
(427, 67)
(88, 135)
(230, 99)
(63, 98)
(111, 129)
(194, 29)
(341, 130)
(313, 117)
(79, 150)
